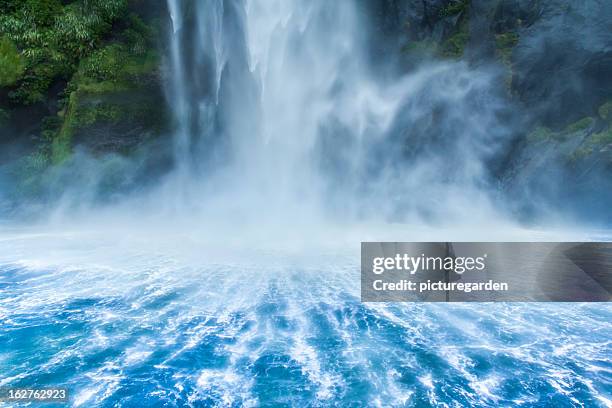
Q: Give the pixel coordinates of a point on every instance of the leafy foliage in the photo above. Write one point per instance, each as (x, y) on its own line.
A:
(11, 63)
(53, 37)
(455, 7)
(116, 63)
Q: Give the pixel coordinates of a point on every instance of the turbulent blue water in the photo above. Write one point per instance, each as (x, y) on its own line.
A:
(120, 326)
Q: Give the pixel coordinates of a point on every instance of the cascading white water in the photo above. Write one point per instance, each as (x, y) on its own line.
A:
(281, 98)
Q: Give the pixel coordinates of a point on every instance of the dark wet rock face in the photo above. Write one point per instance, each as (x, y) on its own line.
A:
(557, 58)
(395, 23)
(562, 62)
(561, 75)
(131, 119)
(513, 14)
(559, 52)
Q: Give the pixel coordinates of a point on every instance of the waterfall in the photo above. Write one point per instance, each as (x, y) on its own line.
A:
(279, 110)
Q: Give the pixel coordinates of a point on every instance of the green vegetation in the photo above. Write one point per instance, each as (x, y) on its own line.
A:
(504, 44)
(455, 7)
(115, 67)
(53, 37)
(454, 46)
(456, 33)
(93, 59)
(421, 48)
(590, 142)
(602, 138)
(542, 133)
(104, 89)
(595, 143)
(11, 63)
(60, 144)
(539, 134)
(579, 125)
(605, 111)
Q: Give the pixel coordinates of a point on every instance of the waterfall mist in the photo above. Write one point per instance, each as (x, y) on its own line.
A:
(281, 116)
(282, 119)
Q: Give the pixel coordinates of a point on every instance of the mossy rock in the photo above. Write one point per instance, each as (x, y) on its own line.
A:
(455, 7)
(111, 122)
(444, 33)
(605, 111)
(539, 134)
(454, 46)
(603, 138)
(504, 44)
(579, 125)
(597, 142)
(543, 133)
(12, 64)
(113, 103)
(504, 47)
(422, 48)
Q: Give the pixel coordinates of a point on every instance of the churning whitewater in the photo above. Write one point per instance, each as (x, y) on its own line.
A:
(132, 321)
